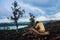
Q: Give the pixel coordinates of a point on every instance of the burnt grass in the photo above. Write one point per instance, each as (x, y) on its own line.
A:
(52, 27)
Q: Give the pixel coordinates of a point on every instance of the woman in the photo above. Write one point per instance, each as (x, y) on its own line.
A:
(39, 29)
(40, 26)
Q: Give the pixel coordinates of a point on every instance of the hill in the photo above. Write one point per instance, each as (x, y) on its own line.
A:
(52, 27)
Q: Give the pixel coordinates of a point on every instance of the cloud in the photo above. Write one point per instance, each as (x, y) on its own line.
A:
(37, 2)
(31, 8)
(41, 18)
(23, 20)
(6, 8)
(2, 9)
(38, 18)
(5, 20)
(57, 16)
(50, 8)
(53, 17)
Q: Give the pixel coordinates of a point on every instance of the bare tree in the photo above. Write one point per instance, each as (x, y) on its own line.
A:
(17, 13)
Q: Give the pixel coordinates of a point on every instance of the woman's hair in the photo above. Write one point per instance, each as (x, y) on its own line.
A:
(37, 22)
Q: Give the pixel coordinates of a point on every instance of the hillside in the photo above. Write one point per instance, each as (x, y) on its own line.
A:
(53, 27)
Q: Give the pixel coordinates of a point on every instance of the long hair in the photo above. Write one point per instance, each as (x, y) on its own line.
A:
(37, 22)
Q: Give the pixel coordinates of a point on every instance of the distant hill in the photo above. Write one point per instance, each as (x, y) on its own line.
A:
(53, 26)
(23, 23)
(13, 24)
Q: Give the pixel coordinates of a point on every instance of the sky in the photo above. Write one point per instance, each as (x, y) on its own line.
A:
(41, 9)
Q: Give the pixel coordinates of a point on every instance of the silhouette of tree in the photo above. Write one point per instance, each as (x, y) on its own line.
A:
(17, 13)
(32, 20)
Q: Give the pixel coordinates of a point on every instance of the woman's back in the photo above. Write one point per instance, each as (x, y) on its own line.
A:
(41, 27)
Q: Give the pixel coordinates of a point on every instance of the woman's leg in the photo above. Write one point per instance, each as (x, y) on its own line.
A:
(32, 30)
(40, 33)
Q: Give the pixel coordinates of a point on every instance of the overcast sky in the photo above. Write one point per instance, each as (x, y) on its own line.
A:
(42, 9)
